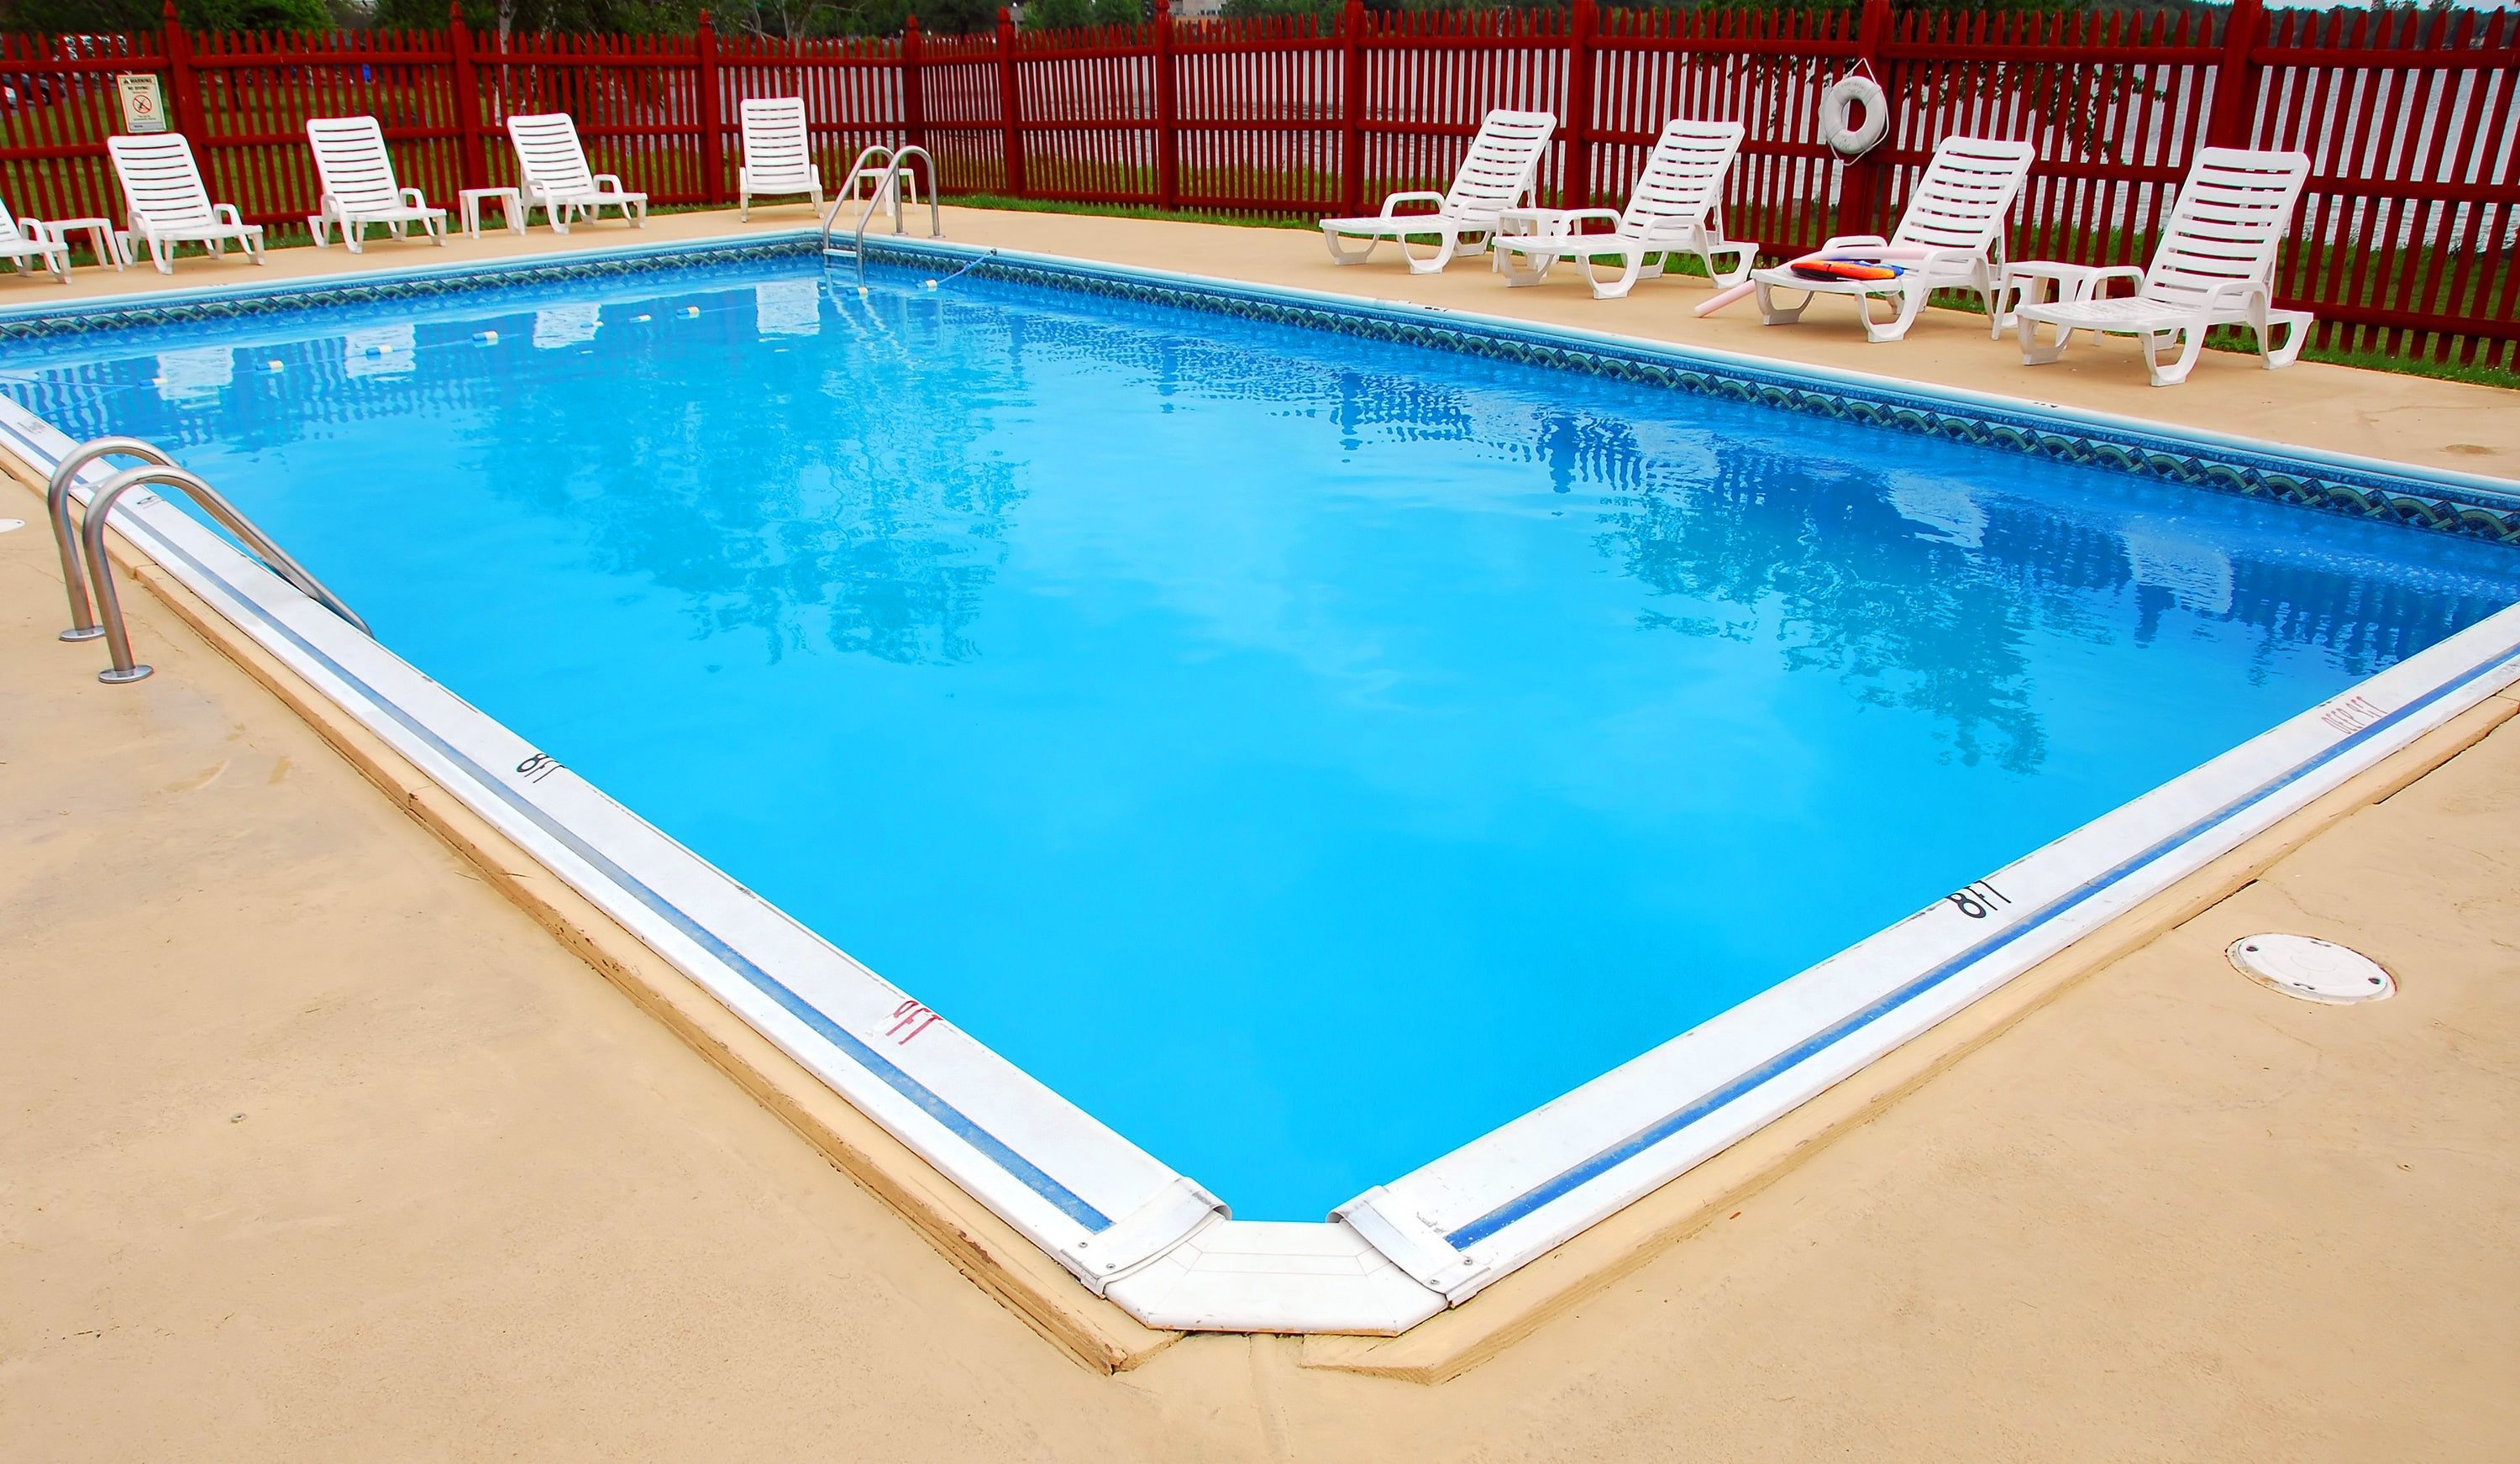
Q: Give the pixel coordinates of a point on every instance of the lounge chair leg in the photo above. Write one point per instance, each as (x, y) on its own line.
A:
(1777, 315)
(1445, 242)
(1521, 269)
(2192, 344)
(1744, 257)
(1340, 256)
(2295, 325)
(1911, 303)
(2034, 354)
(1619, 287)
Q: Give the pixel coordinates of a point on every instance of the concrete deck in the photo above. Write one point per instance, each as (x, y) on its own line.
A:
(319, 1148)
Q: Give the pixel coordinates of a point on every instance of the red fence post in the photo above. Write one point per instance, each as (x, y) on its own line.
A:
(914, 85)
(1352, 108)
(712, 123)
(1576, 183)
(468, 97)
(2235, 77)
(183, 85)
(1857, 185)
(1009, 118)
(1167, 114)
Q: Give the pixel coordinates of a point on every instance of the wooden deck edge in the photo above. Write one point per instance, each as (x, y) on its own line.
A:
(997, 1258)
(1452, 1343)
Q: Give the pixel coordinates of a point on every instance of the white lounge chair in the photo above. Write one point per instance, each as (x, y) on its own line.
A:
(25, 238)
(551, 171)
(357, 179)
(1676, 207)
(1495, 176)
(165, 204)
(778, 153)
(1951, 238)
(2216, 266)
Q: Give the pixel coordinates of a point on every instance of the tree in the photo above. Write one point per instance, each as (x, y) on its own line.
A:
(127, 17)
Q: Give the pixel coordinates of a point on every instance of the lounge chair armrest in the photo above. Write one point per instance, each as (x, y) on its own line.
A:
(2238, 294)
(1576, 218)
(2100, 279)
(413, 197)
(1391, 204)
(1953, 256)
(608, 183)
(37, 231)
(228, 214)
(1854, 242)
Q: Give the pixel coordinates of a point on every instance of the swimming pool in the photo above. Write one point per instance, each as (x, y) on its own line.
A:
(1308, 753)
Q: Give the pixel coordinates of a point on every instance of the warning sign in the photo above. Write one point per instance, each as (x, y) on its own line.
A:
(144, 103)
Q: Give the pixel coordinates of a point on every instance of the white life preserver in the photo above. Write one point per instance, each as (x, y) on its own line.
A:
(1850, 92)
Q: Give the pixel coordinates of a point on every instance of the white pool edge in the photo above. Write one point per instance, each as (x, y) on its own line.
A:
(1153, 1240)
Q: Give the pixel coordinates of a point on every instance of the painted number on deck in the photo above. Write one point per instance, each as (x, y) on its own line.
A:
(909, 1019)
(537, 767)
(2351, 715)
(1979, 899)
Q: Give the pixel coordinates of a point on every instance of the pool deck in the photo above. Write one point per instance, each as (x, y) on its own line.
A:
(321, 1148)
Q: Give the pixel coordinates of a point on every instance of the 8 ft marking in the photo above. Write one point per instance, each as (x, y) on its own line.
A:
(538, 766)
(1979, 899)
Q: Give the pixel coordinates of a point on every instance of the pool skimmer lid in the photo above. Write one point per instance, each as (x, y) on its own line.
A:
(2313, 970)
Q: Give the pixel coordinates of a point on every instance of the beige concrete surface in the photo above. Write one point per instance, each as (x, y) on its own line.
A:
(2419, 419)
(477, 1202)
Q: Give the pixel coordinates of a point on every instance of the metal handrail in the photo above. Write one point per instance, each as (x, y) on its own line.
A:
(57, 506)
(100, 570)
(888, 191)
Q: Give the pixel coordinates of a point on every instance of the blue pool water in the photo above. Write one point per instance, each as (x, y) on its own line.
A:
(1303, 752)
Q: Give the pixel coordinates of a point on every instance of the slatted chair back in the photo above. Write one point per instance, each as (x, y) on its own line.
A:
(1964, 195)
(778, 154)
(1502, 160)
(352, 164)
(160, 181)
(1682, 182)
(2232, 217)
(549, 156)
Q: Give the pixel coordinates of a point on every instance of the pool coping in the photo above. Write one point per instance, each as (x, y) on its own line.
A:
(1401, 1252)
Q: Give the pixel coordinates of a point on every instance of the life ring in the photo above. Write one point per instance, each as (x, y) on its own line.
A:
(1851, 92)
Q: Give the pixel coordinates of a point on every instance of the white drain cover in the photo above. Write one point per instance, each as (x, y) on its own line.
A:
(2313, 970)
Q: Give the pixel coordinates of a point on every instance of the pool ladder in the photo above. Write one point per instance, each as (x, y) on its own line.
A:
(886, 167)
(82, 546)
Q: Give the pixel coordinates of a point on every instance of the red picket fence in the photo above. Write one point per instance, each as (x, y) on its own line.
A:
(2405, 245)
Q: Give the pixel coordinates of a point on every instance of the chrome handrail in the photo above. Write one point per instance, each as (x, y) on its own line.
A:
(888, 191)
(57, 508)
(935, 208)
(100, 570)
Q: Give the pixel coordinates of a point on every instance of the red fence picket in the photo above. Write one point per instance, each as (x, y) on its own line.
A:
(2405, 246)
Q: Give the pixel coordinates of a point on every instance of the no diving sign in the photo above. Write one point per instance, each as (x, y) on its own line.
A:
(144, 104)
